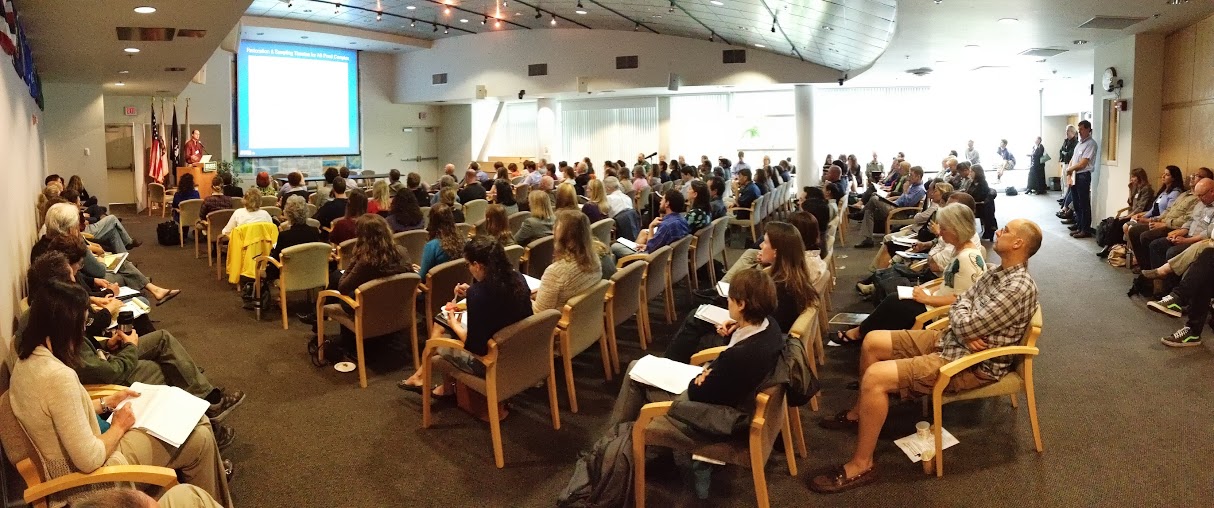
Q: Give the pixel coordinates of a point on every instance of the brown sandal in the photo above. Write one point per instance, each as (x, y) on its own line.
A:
(835, 480)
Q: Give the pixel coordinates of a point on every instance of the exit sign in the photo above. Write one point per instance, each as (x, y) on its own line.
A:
(130, 111)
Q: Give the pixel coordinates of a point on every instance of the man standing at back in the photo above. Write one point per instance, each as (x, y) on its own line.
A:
(1082, 165)
(741, 163)
(970, 153)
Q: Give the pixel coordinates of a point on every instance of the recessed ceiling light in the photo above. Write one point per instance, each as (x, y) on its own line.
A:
(972, 46)
(119, 84)
(261, 33)
(131, 50)
(463, 20)
(715, 2)
(1079, 41)
(1008, 21)
(303, 37)
(411, 7)
(579, 11)
(124, 72)
(353, 43)
(145, 10)
(759, 45)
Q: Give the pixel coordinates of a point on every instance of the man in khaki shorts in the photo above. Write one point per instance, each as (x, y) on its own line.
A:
(995, 312)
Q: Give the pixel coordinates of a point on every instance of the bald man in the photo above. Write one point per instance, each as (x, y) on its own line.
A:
(995, 312)
(1197, 228)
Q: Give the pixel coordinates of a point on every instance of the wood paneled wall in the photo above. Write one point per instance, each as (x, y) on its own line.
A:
(1187, 123)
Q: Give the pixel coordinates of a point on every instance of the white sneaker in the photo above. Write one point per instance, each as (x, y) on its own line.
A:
(864, 289)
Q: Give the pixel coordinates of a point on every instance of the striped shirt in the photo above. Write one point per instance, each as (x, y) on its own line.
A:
(998, 309)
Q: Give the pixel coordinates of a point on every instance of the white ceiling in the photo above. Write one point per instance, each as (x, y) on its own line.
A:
(935, 35)
(76, 41)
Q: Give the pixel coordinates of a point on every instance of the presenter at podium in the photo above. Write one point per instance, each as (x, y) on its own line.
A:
(194, 148)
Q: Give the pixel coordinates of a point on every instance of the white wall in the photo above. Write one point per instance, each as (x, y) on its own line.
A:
(454, 138)
(1065, 96)
(22, 153)
(499, 60)
(75, 122)
(382, 120)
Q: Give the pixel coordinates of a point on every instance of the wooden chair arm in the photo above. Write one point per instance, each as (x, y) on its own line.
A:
(622, 262)
(903, 209)
(939, 324)
(934, 314)
(437, 342)
(566, 318)
(151, 475)
(934, 283)
(649, 412)
(329, 293)
(918, 266)
(750, 208)
(955, 367)
(707, 355)
(99, 391)
(87, 236)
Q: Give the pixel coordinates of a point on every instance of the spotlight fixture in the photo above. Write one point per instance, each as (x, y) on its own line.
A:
(497, 23)
(485, 21)
(538, 15)
(447, 10)
(412, 23)
(336, 8)
(379, 16)
(579, 4)
(410, 7)
(435, 29)
(671, 6)
(579, 11)
(553, 22)
(145, 10)
(1079, 42)
(124, 72)
(760, 46)
(938, 2)
(712, 37)
(637, 27)
(1008, 21)
(463, 20)
(289, 4)
(446, 30)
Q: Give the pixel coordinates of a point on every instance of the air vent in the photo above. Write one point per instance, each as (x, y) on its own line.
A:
(1110, 22)
(627, 62)
(134, 33)
(1042, 52)
(537, 70)
(733, 56)
(174, 69)
(438, 79)
(191, 33)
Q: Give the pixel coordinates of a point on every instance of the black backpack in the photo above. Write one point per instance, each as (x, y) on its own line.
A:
(602, 477)
(168, 233)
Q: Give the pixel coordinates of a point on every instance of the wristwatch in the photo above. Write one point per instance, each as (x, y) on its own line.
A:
(105, 408)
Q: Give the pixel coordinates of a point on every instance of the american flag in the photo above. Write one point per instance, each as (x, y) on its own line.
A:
(156, 168)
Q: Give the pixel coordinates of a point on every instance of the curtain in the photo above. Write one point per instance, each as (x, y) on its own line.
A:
(516, 132)
(612, 130)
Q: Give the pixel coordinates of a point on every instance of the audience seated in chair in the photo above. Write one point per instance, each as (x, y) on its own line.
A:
(539, 224)
(497, 225)
(185, 190)
(334, 207)
(810, 233)
(877, 208)
(575, 267)
(63, 423)
(217, 200)
(250, 213)
(597, 208)
(939, 255)
(343, 229)
(1140, 235)
(376, 255)
(405, 214)
(1193, 234)
(498, 297)
(293, 231)
(107, 230)
(996, 311)
(445, 241)
(665, 230)
(782, 252)
(150, 357)
(63, 220)
(699, 208)
(938, 194)
(295, 186)
(956, 224)
(746, 192)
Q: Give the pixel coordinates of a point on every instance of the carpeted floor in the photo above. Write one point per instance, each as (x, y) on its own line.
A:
(1125, 420)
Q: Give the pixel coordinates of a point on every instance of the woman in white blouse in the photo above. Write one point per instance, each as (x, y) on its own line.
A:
(251, 212)
(956, 224)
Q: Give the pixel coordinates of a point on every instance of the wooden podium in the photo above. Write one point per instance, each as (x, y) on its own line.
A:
(203, 180)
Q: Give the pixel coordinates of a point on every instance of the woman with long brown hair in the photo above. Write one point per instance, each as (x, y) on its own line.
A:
(575, 264)
(445, 241)
(497, 225)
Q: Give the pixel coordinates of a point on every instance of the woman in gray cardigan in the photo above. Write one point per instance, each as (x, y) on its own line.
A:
(65, 425)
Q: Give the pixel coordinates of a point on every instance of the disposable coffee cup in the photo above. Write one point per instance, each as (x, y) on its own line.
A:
(923, 430)
(126, 321)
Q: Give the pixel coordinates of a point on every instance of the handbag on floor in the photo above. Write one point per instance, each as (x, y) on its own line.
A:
(168, 233)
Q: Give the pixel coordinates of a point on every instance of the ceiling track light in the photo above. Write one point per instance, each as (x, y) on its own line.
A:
(379, 16)
(435, 28)
(336, 8)
(485, 21)
(671, 7)
(497, 23)
(553, 22)
(579, 4)
(538, 14)
(712, 37)
(773, 25)
(288, 4)
(637, 27)
(412, 23)
(446, 30)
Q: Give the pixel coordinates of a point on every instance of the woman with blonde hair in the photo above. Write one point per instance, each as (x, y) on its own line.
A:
(566, 197)
(497, 225)
(596, 209)
(381, 198)
(539, 224)
(575, 264)
(449, 197)
(251, 212)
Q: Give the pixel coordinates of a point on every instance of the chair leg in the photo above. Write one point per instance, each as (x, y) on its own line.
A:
(1031, 397)
(413, 337)
(790, 440)
(638, 467)
(605, 352)
(608, 322)
(426, 369)
(362, 364)
(813, 403)
(567, 362)
(937, 422)
(282, 302)
(320, 334)
(760, 478)
(209, 262)
(552, 402)
(196, 235)
(798, 432)
(669, 300)
(1015, 400)
(495, 429)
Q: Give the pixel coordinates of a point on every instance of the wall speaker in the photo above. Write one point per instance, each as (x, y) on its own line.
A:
(481, 92)
(583, 84)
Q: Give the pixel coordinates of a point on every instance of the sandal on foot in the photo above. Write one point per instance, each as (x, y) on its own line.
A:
(171, 295)
(839, 422)
(404, 385)
(835, 480)
(842, 338)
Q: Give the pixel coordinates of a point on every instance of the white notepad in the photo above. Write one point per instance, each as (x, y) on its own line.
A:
(713, 314)
(664, 373)
(533, 284)
(167, 413)
(627, 243)
(908, 241)
(723, 289)
(113, 262)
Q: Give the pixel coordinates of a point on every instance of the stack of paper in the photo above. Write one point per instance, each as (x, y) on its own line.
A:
(113, 262)
(908, 292)
(663, 373)
(126, 293)
(913, 445)
(167, 413)
(627, 243)
(713, 314)
(135, 305)
(723, 289)
(905, 240)
(532, 283)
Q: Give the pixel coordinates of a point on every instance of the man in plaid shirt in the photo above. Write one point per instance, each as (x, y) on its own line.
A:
(995, 312)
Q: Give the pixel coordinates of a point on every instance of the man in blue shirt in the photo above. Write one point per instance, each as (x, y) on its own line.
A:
(879, 207)
(747, 193)
(1083, 164)
(665, 230)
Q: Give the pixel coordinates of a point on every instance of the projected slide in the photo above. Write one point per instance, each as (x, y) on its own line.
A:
(296, 100)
